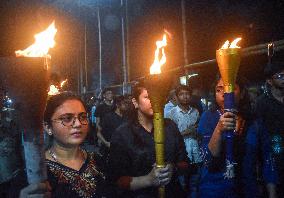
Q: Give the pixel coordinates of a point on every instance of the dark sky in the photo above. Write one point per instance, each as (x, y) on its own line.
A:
(209, 24)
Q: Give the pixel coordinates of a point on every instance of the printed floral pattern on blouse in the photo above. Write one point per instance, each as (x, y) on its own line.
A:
(82, 182)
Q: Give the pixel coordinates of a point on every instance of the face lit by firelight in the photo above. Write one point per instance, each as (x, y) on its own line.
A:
(219, 93)
(74, 134)
(143, 105)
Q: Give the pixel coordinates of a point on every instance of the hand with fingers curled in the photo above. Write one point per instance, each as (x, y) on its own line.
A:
(161, 176)
(37, 190)
(227, 122)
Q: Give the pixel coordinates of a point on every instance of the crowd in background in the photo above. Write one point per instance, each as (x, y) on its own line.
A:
(120, 133)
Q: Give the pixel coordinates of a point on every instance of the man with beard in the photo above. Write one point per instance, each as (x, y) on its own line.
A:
(270, 107)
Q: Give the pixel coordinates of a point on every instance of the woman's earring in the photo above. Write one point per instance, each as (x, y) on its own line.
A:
(49, 132)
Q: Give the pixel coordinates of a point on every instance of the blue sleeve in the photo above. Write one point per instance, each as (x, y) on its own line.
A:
(205, 129)
(268, 167)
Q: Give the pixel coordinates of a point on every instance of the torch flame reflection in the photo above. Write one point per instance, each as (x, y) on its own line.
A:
(43, 42)
(233, 44)
(156, 66)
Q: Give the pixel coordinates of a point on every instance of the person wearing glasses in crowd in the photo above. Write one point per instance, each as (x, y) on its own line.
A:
(270, 107)
(71, 171)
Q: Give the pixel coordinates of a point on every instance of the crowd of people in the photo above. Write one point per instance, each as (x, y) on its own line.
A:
(123, 165)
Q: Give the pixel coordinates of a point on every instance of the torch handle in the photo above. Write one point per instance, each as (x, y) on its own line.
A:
(162, 192)
(229, 145)
(229, 101)
(229, 106)
(34, 158)
(159, 139)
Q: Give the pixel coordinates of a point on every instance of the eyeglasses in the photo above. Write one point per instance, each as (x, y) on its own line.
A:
(278, 76)
(69, 119)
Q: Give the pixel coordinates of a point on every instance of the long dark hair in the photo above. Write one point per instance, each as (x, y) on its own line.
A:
(244, 106)
(133, 122)
(136, 92)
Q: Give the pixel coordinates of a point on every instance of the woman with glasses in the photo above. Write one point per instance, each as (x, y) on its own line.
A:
(72, 171)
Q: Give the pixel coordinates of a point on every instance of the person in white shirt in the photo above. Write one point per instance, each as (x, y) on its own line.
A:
(172, 102)
(186, 118)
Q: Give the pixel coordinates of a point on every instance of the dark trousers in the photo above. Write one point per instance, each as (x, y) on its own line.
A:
(4, 189)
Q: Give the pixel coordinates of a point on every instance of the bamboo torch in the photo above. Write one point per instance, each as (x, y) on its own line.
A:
(30, 89)
(228, 59)
(158, 85)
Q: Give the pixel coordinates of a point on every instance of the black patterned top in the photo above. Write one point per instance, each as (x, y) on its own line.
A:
(88, 182)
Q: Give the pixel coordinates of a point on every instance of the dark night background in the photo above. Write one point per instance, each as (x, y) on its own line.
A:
(209, 24)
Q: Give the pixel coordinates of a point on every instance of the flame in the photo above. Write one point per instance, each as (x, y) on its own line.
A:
(156, 66)
(226, 45)
(233, 44)
(53, 90)
(43, 42)
(63, 83)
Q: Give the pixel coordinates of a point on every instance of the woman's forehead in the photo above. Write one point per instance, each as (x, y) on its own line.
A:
(70, 106)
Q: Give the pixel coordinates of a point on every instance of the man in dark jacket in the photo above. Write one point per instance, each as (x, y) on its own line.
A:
(270, 107)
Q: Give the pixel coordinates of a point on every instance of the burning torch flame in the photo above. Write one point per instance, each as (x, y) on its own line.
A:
(43, 42)
(53, 90)
(233, 44)
(63, 83)
(156, 66)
